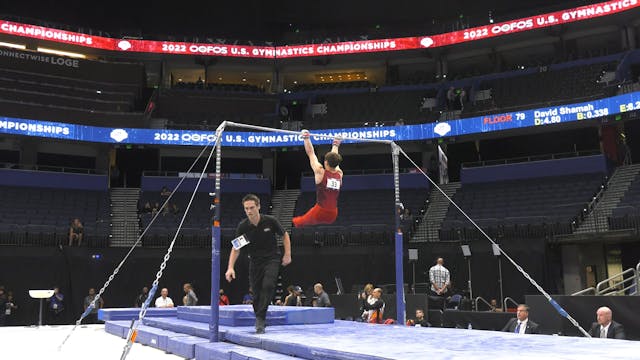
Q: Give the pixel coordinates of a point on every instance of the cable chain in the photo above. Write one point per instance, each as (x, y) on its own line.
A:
(92, 305)
(145, 306)
(518, 267)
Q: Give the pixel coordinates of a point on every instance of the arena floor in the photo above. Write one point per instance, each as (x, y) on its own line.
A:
(88, 342)
(341, 340)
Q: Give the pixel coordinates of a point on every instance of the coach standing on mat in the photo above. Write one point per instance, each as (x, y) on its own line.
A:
(257, 234)
(328, 179)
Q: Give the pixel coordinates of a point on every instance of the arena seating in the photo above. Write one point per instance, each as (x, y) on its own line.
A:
(548, 87)
(206, 109)
(196, 231)
(530, 207)
(42, 216)
(93, 92)
(242, 88)
(384, 107)
(361, 103)
(627, 214)
(331, 86)
(364, 217)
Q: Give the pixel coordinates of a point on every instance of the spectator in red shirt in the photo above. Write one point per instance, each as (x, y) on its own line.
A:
(224, 299)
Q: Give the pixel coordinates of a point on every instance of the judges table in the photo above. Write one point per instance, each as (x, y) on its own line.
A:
(483, 320)
(347, 307)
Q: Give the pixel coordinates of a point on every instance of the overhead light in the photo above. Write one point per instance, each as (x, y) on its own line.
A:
(12, 45)
(220, 78)
(268, 80)
(61, 53)
(244, 79)
(295, 82)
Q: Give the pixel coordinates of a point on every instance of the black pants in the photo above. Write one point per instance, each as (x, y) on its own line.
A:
(55, 317)
(92, 318)
(436, 301)
(263, 276)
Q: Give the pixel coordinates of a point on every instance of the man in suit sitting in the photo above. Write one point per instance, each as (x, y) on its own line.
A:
(521, 324)
(605, 327)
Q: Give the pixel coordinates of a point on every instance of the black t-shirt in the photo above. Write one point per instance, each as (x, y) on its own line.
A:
(291, 301)
(263, 244)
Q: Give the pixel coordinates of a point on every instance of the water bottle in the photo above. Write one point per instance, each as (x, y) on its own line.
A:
(469, 326)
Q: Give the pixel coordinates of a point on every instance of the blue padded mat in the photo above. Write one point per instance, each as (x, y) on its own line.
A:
(351, 340)
(185, 346)
(242, 315)
(117, 328)
(156, 338)
(358, 341)
(132, 313)
(226, 351)
(183, 326)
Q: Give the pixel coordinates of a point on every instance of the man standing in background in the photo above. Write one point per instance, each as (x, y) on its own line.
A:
(190, 299)
(440, 278)
(323, 297)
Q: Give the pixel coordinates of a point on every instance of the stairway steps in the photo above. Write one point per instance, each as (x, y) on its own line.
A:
(435, 214)
(124, 208)
(616, 188)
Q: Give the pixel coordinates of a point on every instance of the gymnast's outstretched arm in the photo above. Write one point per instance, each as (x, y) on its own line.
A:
(318, 169)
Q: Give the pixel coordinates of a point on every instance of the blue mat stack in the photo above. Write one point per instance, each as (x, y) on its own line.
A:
(308, 333)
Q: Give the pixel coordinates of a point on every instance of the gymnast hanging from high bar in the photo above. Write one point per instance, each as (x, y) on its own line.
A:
(328, 180)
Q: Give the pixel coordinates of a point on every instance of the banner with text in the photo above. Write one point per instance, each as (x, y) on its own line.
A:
(342, 48)
(480, 124)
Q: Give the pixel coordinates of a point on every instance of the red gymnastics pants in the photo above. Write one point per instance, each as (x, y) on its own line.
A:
(316, 216)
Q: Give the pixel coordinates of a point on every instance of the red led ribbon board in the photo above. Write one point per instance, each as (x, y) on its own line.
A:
(341, 48)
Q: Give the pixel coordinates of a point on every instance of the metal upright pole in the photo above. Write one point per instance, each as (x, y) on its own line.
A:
(414, 277)
(500, 279)
(469, 282)
(399, 249)
(215, 242)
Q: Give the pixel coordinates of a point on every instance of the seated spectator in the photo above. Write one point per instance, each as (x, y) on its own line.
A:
(248, 297)
(146, 209)
(190, 299)
(167, 210)
(223, 299)
(406, 215)
(323, 297)
(164, 193)
(142, 297)
(55, 304)
(164, 301)
(155, 209)
(419, 321)
(521, 324)
(365, 296)
(174, 209)
(92, 318)
(3, 304)
(494, 306)
(605, 327)
(75, 232)
(375, 310)
(10, 309)
(293, 299)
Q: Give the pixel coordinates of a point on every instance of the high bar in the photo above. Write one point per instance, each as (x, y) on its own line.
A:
(268, 129)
